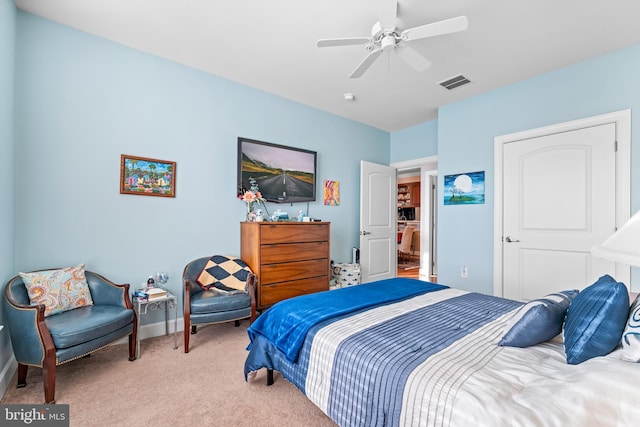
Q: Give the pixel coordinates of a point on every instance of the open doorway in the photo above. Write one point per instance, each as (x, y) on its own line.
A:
(409, 223)
(417, 218)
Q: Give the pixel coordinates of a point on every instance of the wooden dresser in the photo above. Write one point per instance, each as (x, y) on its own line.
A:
(289, 258)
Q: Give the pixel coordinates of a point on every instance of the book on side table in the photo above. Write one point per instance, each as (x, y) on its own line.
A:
(150, 294)
(155, 293)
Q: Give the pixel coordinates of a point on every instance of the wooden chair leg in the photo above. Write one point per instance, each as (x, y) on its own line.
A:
(187, 326)
(194, 329)
(49, 379)
(132, 347)
(236, 323)
(22, 375)
(269, 376)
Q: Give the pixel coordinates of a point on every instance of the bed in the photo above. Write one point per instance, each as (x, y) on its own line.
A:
(403, 352)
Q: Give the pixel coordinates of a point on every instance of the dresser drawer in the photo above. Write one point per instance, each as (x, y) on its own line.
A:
(287, 252)
(273, 273)
(271, 294)
(291, 233)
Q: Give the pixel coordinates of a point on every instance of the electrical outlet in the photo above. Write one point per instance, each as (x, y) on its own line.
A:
(464, 271)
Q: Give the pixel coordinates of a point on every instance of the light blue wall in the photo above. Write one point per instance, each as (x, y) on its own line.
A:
(7, 52)
(82, 101)
(415, 142)
(601, 85)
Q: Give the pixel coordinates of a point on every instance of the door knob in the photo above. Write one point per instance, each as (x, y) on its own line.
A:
(508, 239)
(364, 233)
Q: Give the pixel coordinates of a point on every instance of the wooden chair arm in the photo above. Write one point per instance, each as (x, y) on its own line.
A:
(186, 294)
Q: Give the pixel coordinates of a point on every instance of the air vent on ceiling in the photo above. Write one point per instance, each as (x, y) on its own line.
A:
(454, 82)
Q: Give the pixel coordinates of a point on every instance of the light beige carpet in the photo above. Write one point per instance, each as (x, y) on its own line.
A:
(205, 387)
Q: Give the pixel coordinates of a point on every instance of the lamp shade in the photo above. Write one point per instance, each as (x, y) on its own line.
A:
(623, 245)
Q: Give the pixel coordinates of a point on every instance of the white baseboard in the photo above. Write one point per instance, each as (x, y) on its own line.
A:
(7, 373)
(155, 330)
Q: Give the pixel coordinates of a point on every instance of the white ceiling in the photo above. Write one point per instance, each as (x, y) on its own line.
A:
(271, 45)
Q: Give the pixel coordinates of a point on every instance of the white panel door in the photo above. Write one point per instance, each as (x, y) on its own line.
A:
(378, 226)
(559, 201)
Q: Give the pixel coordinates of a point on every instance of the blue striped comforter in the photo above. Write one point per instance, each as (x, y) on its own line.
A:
(392, 363)
(286, 324)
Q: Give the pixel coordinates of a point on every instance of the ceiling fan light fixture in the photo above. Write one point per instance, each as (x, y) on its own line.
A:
(376, 30)
(388, 42)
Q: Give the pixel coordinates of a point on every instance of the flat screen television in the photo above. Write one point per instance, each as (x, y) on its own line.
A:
(283, 174)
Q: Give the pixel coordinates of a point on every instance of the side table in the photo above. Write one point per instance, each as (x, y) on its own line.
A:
(142, 307)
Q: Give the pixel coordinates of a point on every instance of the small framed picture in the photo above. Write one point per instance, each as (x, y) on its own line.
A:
(147, 177)
(464, 188)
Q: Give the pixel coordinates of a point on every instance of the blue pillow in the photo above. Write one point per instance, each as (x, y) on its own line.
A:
(538, 321)
(595, 320)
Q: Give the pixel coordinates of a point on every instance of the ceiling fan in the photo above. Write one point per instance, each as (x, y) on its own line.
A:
(386, 37)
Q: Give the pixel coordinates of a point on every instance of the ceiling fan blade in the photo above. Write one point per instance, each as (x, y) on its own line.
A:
(413, 58)
(364, 65)
(343, 42)
(388, 12)
(447, 26)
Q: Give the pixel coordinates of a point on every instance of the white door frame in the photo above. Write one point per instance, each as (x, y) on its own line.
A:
(428, 166)
(622, 120)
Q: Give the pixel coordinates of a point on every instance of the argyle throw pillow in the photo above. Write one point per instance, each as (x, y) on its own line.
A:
(225, 273)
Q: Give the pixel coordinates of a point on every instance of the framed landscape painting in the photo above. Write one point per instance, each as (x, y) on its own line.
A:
(147, 177)
(464, 188)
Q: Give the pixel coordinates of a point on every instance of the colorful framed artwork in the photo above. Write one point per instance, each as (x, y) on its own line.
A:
(147, 177)
(332, 193)
(464, 188)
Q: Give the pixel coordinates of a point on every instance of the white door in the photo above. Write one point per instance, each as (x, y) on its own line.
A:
(559, 201)
(378, 228)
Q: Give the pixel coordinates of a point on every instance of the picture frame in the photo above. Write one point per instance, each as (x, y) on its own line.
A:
(331, 193)
(144, 176)
(464, 188)
(284, 174)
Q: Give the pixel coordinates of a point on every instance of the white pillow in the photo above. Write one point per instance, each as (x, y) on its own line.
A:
(631, 334)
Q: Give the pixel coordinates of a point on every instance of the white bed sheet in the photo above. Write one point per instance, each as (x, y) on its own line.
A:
(536, 387)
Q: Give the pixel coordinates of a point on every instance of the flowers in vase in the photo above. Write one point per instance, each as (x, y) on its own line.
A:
(252, 195)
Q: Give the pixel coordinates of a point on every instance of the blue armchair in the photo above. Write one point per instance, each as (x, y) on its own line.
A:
(202, 307)
(47, 342)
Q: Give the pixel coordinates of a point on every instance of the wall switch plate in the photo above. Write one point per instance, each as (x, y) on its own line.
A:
(464, 271)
